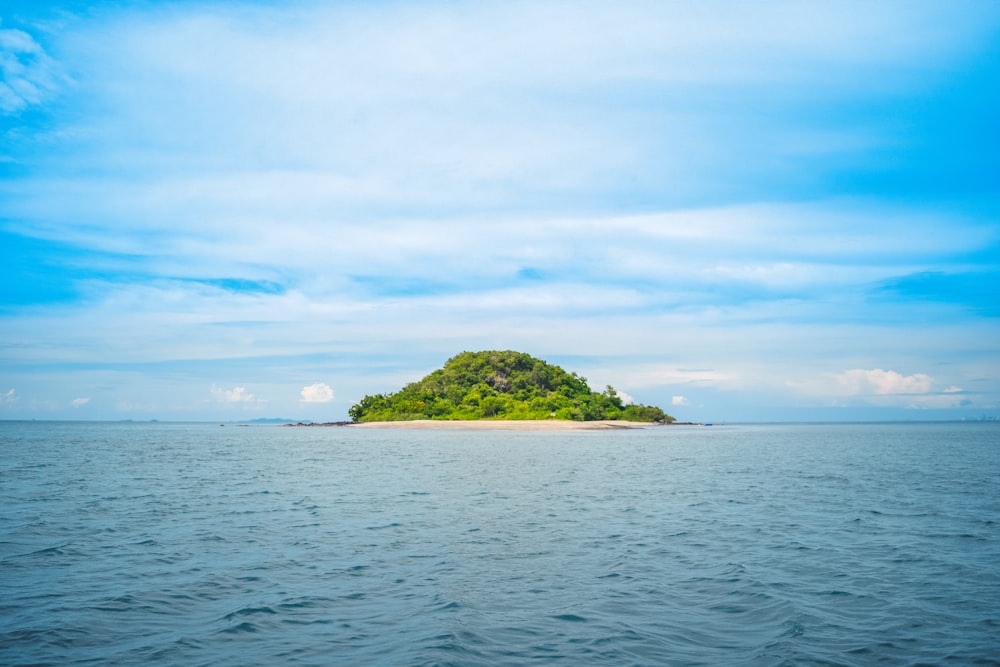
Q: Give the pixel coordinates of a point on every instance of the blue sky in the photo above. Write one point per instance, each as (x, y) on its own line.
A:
(736, 211)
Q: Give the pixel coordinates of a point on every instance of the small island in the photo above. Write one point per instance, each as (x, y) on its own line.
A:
(502, 386)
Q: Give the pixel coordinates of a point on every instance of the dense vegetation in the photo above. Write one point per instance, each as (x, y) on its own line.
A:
(501, 385)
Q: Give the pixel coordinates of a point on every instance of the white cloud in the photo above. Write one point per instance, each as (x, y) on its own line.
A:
(627, 399)
(79, 402)
(880, 382)
(650, 376)
(317, 393)
(234, 395)
(679, 400)
(8, 397)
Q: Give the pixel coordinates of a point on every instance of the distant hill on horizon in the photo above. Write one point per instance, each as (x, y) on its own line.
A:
(504, 384)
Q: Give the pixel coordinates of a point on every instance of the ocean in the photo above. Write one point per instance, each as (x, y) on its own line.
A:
(786, 544)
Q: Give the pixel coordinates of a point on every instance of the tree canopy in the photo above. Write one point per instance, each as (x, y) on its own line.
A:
(501, 385)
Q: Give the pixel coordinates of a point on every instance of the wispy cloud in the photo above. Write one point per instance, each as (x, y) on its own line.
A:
(28, 76)
(235, 395)
(79, 402)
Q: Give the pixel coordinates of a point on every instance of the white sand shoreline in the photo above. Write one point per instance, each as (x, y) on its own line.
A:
(508, 425)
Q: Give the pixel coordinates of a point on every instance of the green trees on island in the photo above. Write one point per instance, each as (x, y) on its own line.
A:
(501, 385)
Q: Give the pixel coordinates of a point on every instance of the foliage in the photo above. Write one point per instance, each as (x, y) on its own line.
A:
(501, 385)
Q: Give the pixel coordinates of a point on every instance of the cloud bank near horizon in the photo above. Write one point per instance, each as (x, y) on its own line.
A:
(751, 208)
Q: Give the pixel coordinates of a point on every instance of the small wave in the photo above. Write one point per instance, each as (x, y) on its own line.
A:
(244, 627)
(56, 636)
(394, 524)
(46, 552)
(304, 603)
(570, 618)
(248, 611)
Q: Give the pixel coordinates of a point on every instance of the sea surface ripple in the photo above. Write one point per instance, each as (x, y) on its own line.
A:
(191, 544)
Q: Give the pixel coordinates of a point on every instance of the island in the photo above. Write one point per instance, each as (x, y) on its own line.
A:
(503, 386)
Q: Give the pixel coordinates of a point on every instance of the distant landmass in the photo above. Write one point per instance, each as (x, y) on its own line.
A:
(501, 385)
(272, 420)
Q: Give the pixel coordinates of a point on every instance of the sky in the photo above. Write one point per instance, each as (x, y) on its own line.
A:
(753, 211)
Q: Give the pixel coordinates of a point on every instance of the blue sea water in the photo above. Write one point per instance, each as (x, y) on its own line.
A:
(191, 544)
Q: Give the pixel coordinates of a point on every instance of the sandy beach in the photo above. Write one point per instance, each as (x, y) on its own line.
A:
(508, 425)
